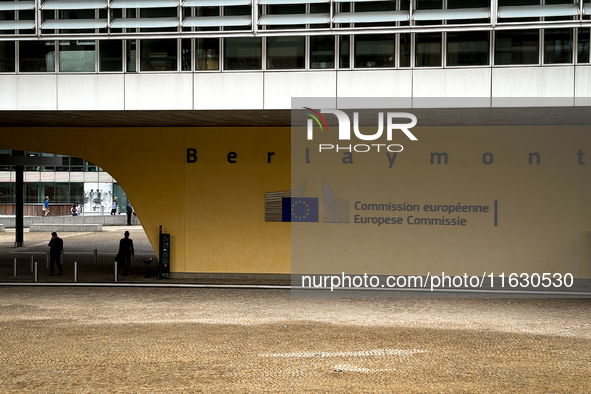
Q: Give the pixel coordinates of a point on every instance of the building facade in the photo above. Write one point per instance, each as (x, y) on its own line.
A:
(195, 96)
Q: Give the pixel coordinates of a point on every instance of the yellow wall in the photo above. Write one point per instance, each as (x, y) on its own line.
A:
(214, 210)
(544, 210)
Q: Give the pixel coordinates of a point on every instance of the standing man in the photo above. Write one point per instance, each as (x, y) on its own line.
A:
(126, 252)
(46, 206)
(129, 210)
(56, 245)
(114, 206)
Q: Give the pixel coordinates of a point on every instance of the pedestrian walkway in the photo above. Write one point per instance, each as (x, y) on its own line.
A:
(79, 247)
(131, 340)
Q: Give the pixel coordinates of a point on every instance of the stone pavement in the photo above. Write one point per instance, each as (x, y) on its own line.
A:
(173, 340)
(163, 340)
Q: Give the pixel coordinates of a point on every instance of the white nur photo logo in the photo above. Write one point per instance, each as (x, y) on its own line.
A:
(345, 131)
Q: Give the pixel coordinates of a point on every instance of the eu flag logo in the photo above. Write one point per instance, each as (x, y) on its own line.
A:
(299, 209)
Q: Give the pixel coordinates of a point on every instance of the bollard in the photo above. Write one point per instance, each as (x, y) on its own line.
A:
(15, 268)
(75, 271)
(35, 273)
(31, 263)
(115, 271)
(46, 259)
(96, 257)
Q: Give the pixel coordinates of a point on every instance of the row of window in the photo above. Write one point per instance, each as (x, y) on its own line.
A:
(163, 18)
(519, 47)
(92, 195)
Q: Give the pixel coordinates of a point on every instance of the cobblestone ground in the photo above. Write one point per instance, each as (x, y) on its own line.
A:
(132, 340)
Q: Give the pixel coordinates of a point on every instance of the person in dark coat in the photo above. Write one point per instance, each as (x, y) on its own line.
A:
(129, 210)
(126, 252)
(56, 245)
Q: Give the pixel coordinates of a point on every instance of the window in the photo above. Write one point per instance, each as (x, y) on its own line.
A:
(558, 46)
(375, 6)
(322, 52)
(428, 50)
(7, 56)
(583, 46)
(111, 55)
(208, 53)
(158, 13)
(455, 4)
(405, 49)
(285, 52)
(31, 193)
(6, 192)
(37, 56)
(517, 47)
(158, 55)
(503, 3)
(77, 56)
(186, 55)
(375, 51)
(243, 53)
(468, 48)
(429, 5)
(319, 8)
(76, 14)
(237, 11)
(286, 9)
(131, 56)
(6, 16)
(344, 45)
(208, 11)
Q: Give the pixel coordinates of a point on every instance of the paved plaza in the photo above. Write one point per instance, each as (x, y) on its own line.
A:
(210, 340)
(157, 340)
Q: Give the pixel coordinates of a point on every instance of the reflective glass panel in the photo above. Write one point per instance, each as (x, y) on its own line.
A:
(111, 55)
(77, 56)
(243, 53)
(468, 48)
(558, 46)
(208, 53)
(322, 52)
(158, 55)
(517, 47)
(7, 56)
(583, 46)
(428, 50)
(375, 51)
(37, 56)
(286, 52)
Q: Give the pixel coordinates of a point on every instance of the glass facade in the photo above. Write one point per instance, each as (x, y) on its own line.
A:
(468, 48)
(111, 56)
(75, 181)
(428, 49)
(558, 46)
(37, 56)
(77, 56)
(158, 55)
(375, 51)
(179, 38)
(243, 53)
(208, 54)
(517, 47)
(322, 52)
(7, 56)
(286, 53)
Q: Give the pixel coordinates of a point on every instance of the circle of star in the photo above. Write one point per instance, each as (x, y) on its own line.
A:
(296, 210)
